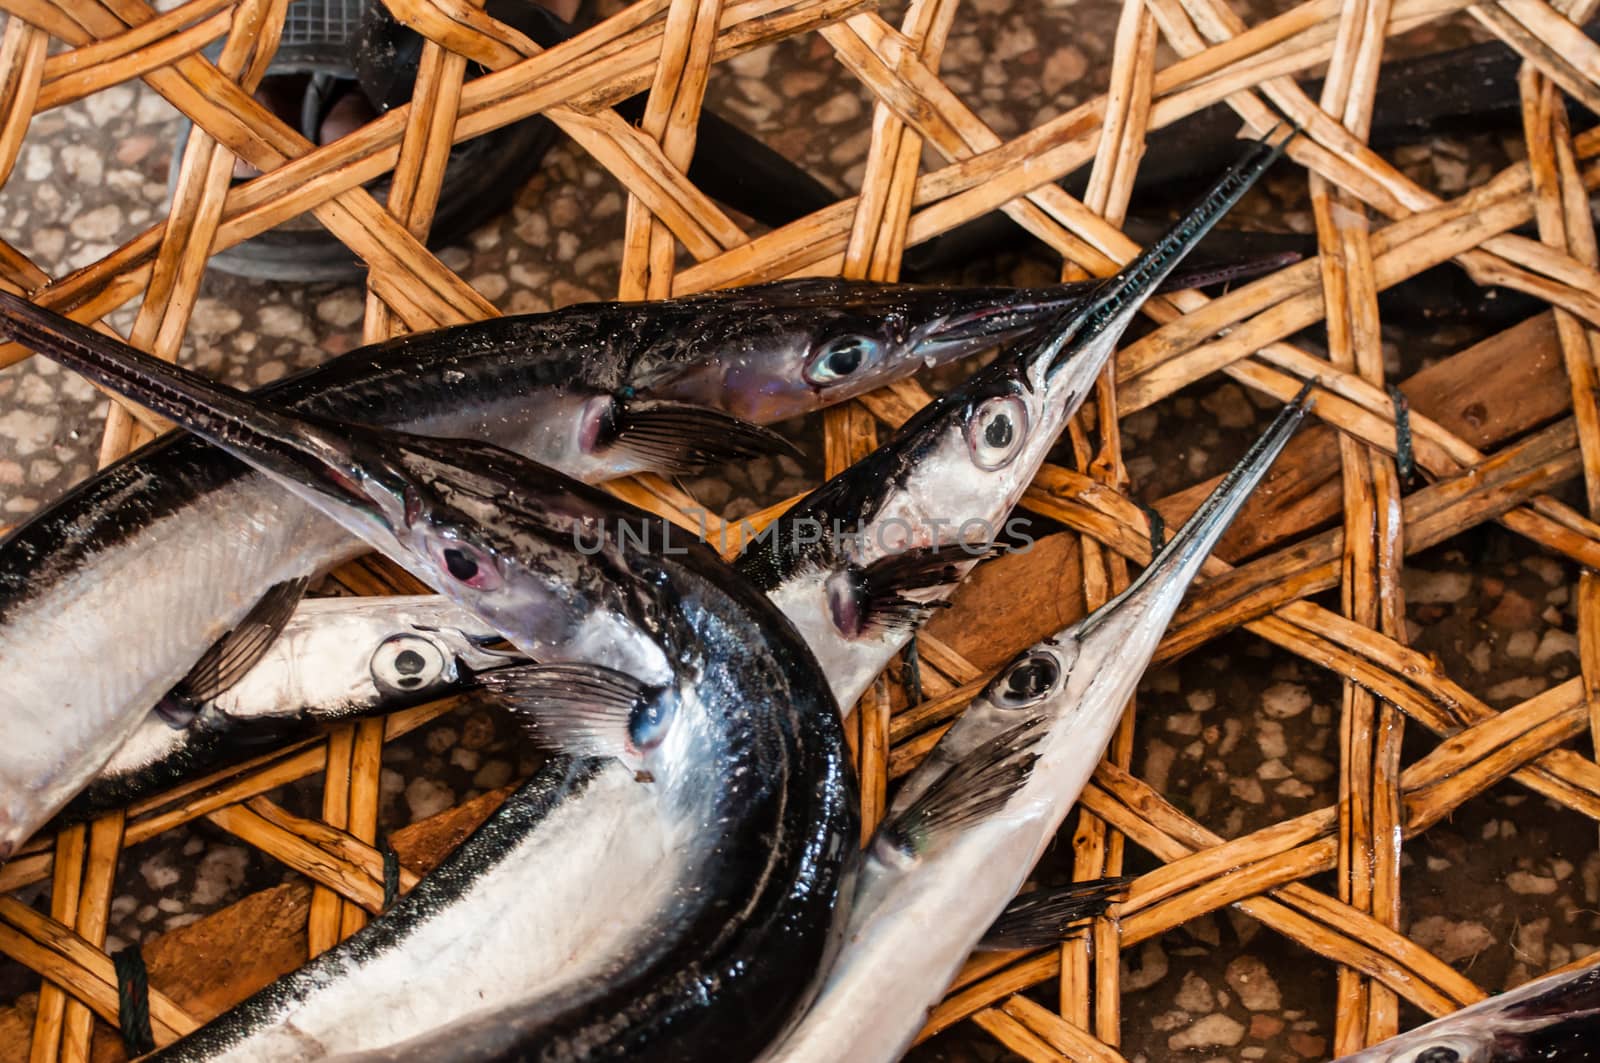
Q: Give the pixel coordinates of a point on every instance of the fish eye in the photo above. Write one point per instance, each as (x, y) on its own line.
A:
(995, 431)
(1449, 1050)
(1032, 678)
(468, 565)
(650, 721)
(840, 358)
(404, 664)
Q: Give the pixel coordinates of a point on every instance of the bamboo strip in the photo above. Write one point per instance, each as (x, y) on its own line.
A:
(94, 909)
(1017, 1037)
(1072, 1041)
(64, 889)
(339, 877)
(326, 916)
(669, 46)
(671, 118)
(203, 178)
(189, 801)
(1089, 991)
(1563, 54)
(1370, 732)
(69, 87)
(1561, 208)
(80, 968)
(419, 170)
(22, 64)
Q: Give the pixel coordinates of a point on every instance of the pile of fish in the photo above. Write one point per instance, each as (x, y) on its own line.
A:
(682, 878)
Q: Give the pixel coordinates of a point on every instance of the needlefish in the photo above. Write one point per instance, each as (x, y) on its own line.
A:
(1550, 1019)
(658, 659)
(569, 808)
(112, 594)
(570, 811)
(965, 458)
(970, 822)
(862, 561)
(321, 661)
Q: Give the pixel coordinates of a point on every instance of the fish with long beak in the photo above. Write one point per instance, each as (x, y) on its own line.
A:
(970, 823)
(182, 540)
(1554, 1019)
(860, 562)
(966, 458)
(562, 821)
(647, 653)
(289, 668)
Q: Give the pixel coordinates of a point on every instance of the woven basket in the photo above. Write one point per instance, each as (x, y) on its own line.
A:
(1494, 429)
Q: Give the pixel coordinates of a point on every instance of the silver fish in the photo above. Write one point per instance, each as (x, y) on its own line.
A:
(331, 659)
(860, 562)
(969, 824)
(562, 822)
(1554, 1019)
(856, 597)
(690, 676)
(143, 567)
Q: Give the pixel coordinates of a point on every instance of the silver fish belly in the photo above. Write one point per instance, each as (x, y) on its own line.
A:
(450, 946)
(971, 821)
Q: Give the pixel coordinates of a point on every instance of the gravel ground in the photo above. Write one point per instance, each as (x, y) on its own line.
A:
(1243, 732)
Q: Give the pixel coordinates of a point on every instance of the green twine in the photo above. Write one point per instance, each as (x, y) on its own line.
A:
(1405, 461)
(133, 1000)
(913, 662)
(391, 875)
(1158, 528)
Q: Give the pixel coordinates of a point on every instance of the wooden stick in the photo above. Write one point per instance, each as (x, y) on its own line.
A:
(64, 889)
(94, 909)
(1089, 991)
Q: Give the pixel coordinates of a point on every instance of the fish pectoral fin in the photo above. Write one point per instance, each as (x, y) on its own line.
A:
(978, 785)
(1049, 915)
(674, 437)
(226, 662)
(581, 709)
(873, 598)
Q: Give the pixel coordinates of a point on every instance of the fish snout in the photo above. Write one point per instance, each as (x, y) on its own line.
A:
(993, 319)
